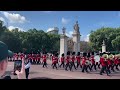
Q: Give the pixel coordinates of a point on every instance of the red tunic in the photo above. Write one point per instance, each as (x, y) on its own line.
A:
(109, 62)
(78, 58)
(92, 60)
(83, 60)
(33, 58)
(67, 59)
(44, 58)
(54, 60)
(103, 62)
(38, 58)
(62, 59)
(73, 58)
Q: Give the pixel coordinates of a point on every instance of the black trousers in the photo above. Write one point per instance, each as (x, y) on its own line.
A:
(98, 64)
(44, 64)
(104, 68)
(73, 64)
(68, 65)
(84, 68)
(54, 65)
(62, 63)
(89, 67)
(27, 72)
(94, 66)
(111, 67)
(117, 66)
(78, 64)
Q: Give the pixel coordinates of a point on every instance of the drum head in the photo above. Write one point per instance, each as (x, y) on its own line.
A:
(97, 58)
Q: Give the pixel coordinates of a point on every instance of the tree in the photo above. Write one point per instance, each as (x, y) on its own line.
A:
(116, 43)
(107, 34)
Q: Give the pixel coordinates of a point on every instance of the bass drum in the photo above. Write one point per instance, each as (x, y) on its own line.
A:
(97, 58)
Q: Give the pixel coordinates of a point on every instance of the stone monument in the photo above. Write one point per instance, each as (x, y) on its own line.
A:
(103, 47)
(63, 42)
(76, 38)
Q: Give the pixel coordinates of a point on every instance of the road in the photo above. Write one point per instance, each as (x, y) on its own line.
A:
(38, 72)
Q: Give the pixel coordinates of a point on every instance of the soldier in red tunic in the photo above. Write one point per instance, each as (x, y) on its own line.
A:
(104, 66)
(84, 66)
(93, 62)
(62, 60)
(55, 58)
(78, 60)
(44, 60)
(116, 62)
(73, 61)
(67, 61)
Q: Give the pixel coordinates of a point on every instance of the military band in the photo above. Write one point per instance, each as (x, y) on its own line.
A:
(106, 63)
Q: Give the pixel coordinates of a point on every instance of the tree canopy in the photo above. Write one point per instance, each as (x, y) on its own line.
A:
(111, 36)
(31, 40)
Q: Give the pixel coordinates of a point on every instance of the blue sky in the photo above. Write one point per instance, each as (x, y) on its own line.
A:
(88, 20)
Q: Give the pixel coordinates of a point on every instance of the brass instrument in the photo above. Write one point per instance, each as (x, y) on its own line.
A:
(105, 56)
(111, 57)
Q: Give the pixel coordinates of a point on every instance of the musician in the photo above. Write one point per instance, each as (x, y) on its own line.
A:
(44, 60)
(68, 61)
(62, 60)
(93, 62)
(73, 61)
(110, 63)
(78, 60)
(116, 62)
(104, 65)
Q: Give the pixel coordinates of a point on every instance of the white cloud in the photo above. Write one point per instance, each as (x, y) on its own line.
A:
(69, 34)
(85, 37)
(14, 18)
(12, 27)
(49, 29)
(65, 21)
(2, 19)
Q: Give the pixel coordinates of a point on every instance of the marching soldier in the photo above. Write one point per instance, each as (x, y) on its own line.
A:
(68, 61)
(44, 60)
(104, 65)
(93, 62)
(78, 60)
(73, 61)
(55, 61)
(84, 63)
(116, 62)
(62, 60)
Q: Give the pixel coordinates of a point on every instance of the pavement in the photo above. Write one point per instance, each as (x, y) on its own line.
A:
(38, 72)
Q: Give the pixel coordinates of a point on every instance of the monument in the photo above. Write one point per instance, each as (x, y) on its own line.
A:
(76, 38)
(63, 42)
(103, 47)
(74, 41)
